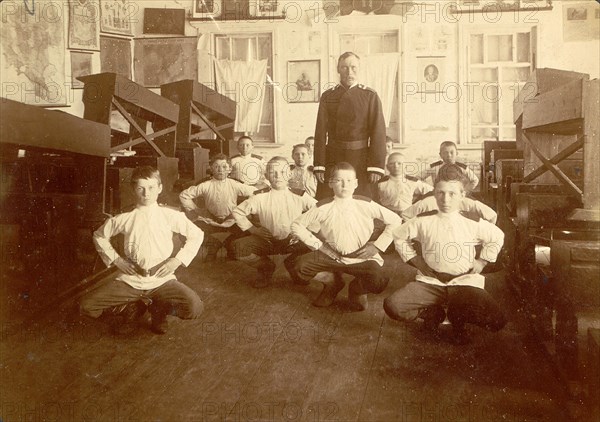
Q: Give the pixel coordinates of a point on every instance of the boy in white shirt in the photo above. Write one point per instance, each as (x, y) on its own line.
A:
(345, 223)
(146, 271)
(301, 173)
(310, 144)
(397, 190)
(220, 195)
(246, 167)
(448, 153)
(275, 208)
(448, 268)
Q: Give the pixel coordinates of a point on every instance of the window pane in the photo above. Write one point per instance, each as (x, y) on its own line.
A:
(500, 48)
(264, 50)
(223, 48)
(523, 47)
(477, 48)
(515, 74)
(506, 101)
(486, 74)
(509, 133)
(478, 135)
(390, 44)
(484, 109)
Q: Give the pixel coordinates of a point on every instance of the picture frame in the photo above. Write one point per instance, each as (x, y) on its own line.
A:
(304, 81)
(157, 61)
(262, 8)
(164, 21)
(431, 74)
(495, 6)
(116, 16)
(84, 27)
(207, 9)
(81, 65)
(115, 55)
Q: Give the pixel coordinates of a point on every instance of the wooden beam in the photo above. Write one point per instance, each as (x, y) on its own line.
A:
(568, 151)
(553, 168)
(133, 123)
(208, 122)
(139, 140)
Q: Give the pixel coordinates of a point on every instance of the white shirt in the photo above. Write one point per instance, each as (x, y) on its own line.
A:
(220, 196)
(303, 178)
(396, 192)
(346, 224)
(148, 232)
(276, 210)
(249, 169)
(448, 244)
(467, 205)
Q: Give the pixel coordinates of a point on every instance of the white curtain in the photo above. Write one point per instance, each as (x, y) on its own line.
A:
(243, 82)
(379, 72)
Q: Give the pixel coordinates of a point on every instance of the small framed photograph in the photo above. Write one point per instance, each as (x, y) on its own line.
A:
(430, 74)
(84, 27)
(266, 7)
(207, 9)
(304, 80)
(81, 65)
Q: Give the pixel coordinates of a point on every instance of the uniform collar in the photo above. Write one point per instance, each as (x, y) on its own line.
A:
(450, 215)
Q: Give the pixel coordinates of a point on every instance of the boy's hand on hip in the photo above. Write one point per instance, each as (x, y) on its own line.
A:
(125, 266)
(327, 250)
(261, 232)
(168, 267)
(366, 252)
(478, 266)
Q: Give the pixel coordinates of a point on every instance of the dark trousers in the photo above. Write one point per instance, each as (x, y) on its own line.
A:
(368, 274)
(254, 251)
(465, 304)
(171, 298)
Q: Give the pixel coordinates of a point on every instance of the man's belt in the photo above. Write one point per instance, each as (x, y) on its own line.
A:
(352, 145)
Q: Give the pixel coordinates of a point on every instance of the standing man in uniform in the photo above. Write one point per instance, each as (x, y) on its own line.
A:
(350, 127)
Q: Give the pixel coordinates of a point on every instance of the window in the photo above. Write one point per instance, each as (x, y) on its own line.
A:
(245, 47)
(498, 66)
(366, 44)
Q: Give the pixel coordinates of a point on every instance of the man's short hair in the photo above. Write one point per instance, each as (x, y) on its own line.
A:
(452, 173)
(145, 172)
(333, 169)
(241, 138)
(299, 146)
(219, 156)
(447, 144)
(346, 55)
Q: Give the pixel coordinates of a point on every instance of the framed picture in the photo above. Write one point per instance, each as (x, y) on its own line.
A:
(207, 9)
(492, 6)
(164, 21)
(265, 7)
(117, 15)
(81, 65)
(304, 81)
(430, 74)
(157, 61)
(84, 27)
(115, 56)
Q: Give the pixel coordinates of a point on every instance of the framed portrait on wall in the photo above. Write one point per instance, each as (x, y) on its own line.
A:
(304, 81)
(116, 16)
(206, 9)
(431, 74)
(81, 65)
(84, 24)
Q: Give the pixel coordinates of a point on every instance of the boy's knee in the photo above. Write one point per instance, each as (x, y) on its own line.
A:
(392, 310)
(86, 309)
(193, 310)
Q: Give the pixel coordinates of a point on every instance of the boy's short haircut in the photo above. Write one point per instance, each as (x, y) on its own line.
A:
(245, 137)
(396, 154)
(299, 146)
(219, 156)
(388, 140)
(277, 158)
(447, 144)
(145, 172)
(310, 138)
(452, 173)
(333, 169)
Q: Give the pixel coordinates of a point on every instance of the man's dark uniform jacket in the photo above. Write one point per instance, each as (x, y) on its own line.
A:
(350, 127)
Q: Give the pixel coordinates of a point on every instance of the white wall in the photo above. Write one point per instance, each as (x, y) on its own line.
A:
(296, 121)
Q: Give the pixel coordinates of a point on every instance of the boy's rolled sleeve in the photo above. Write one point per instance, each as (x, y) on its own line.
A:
(403, 236)
(299, 229)
(241, 212)
(193, 238)
(102, 237)
(492, 239)
(391, 221)
(187, 197)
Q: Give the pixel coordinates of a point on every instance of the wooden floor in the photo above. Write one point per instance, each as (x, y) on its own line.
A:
(268, 355)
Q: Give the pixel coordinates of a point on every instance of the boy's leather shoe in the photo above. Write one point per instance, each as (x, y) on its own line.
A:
(159, 324)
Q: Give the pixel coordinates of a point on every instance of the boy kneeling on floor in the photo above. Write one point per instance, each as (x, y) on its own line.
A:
(146, 278)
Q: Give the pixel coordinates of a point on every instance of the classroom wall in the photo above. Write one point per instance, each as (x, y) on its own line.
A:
(423, 124)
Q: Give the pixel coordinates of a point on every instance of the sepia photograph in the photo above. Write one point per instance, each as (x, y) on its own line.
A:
(309, 211)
